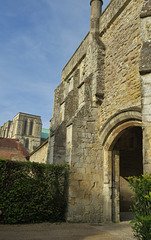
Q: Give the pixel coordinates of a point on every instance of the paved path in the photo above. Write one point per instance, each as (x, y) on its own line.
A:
(66, 231)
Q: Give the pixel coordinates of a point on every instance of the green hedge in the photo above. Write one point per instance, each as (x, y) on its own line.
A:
(32, 192)
(142, 207)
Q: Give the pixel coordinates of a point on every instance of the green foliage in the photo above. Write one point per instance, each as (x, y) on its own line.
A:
(142, 207)
(32, 192)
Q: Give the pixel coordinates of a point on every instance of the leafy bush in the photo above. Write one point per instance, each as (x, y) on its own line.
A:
(142, 206)
(32, 192)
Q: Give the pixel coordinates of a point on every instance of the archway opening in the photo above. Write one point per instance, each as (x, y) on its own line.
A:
(128, 147)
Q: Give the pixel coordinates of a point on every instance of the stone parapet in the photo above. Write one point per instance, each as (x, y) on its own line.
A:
(75, 59)
(110, 14)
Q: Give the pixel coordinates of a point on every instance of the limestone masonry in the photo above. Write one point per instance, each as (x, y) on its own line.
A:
(101, 123)
(26, 128)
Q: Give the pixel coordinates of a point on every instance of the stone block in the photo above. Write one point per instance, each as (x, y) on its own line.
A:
(146, 9)
(145, 63)
(146, 109)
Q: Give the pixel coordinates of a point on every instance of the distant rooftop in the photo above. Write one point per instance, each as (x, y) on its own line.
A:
(8, 143)
(44, 133)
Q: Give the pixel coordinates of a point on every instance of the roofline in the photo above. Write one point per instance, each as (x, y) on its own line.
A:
(27, 114)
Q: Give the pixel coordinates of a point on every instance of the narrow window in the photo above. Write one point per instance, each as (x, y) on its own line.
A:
(31, 128)
(27, 143)
(25, 127)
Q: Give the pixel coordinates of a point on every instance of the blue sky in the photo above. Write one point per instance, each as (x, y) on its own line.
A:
(37, 38)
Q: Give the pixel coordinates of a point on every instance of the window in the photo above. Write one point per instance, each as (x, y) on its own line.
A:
(27, 143)
(31, 128)
(25, 127)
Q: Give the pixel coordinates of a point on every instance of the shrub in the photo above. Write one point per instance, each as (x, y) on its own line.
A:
(32, 192)
(142, 206)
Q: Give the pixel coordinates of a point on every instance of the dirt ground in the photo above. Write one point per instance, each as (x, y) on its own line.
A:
(65, 231)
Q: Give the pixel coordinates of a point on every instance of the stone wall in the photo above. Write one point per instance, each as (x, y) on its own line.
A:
(123, 41)
(40, 154)
(100, 91)
(72, 139)
(145, 71)
(122, 35)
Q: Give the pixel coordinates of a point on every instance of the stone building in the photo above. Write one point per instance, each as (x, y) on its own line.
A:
(101, 123)
(26, 128)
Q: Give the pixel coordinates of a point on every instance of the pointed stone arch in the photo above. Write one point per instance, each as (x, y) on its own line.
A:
(118, 121)
(110, 132)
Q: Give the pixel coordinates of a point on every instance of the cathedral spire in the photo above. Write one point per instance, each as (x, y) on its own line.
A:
(96, 9)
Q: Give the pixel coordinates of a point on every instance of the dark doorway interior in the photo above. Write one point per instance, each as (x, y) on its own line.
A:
(129, 146)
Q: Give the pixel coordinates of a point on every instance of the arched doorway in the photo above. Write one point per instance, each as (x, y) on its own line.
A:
(121, 138)
(127, 151)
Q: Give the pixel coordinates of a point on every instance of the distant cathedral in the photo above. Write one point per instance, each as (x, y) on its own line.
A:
(27, 128)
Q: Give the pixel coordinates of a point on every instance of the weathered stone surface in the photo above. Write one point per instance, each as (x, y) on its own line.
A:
(145, 70)
(123, 43)
(111, 13)
(40, 154)
(101, 96)
(146, 9)
(145, 61)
